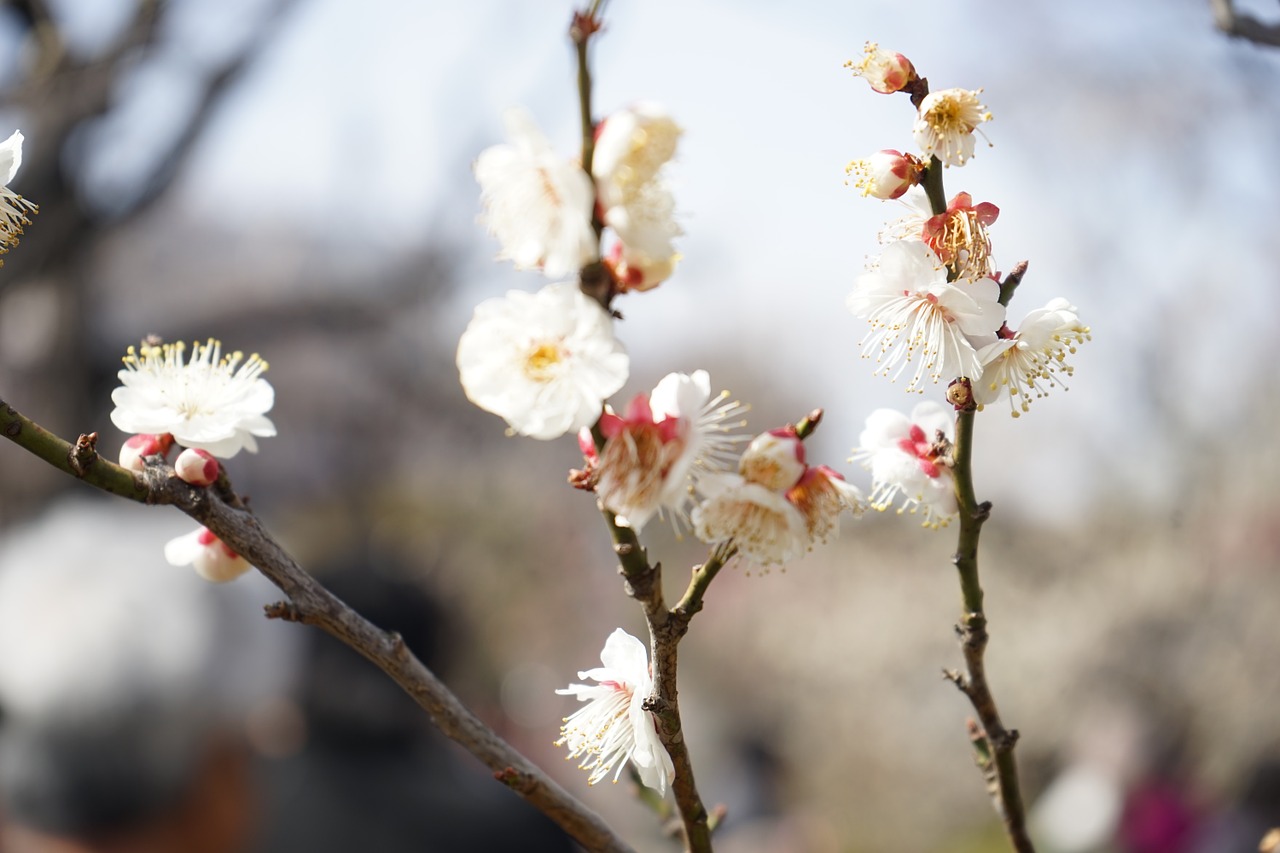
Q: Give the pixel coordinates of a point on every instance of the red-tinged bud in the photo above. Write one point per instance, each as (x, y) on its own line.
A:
(886, 174)
(774, 459)
(197, 467)
(137, 447)
(211, 558)
(887, 72)
(636, 272)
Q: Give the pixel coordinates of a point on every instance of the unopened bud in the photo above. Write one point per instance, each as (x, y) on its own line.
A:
(211, 558)
(636, 272)
(197, 467)
(960, 394)
(774, 459)
(885, 174)
(137, 447)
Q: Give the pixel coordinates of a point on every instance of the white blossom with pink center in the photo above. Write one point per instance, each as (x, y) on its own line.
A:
(907, 458)
(919, 318)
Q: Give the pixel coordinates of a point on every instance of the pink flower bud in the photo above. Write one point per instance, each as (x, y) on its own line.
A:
(197, 467)
(774, 459)
(137, 447)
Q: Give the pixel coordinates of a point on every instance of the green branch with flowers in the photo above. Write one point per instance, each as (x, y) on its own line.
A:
(603, 227)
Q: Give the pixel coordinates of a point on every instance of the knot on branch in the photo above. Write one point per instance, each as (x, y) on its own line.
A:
(83, 454)
(515, 780)
(284, 610)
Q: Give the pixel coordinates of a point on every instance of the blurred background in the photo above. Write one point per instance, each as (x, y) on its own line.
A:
(293, 177)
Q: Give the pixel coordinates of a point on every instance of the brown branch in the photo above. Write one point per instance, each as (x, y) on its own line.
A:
(310, 603)
(1239, 25)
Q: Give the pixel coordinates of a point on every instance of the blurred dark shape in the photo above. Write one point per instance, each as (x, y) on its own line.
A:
(1158, 818)
(1241, 826)
(373, 774)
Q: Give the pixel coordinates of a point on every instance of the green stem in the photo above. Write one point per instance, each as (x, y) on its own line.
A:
(80, 460)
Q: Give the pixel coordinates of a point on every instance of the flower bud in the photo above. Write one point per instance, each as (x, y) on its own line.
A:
(774, 459)
(885, 174)
(197, 467)
(137, 447)
(887, 72)
(211, 558)
(636, 271)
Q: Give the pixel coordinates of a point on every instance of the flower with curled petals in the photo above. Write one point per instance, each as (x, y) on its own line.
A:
(613, 727)
(887, 72)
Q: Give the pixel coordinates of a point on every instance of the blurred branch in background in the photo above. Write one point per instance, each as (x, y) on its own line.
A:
(77, 104)
(1241, 25)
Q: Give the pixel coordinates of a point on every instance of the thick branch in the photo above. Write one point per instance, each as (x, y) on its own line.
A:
(310, 603)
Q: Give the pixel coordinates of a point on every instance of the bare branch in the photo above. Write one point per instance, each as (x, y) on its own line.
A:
(1240, 25)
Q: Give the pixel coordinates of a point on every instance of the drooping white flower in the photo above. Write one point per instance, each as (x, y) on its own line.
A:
(13, 207)
(907, 459)
(654, 453)
(765, 527)
(536, 203)
(945, 124)
(613, 727)
(916, 315)
(213, 402)
(211, 558)
(544, 362)
(886, 71)
(632, 147)
(1029, 362)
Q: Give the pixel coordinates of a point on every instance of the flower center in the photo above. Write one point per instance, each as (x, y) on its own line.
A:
(540, 363)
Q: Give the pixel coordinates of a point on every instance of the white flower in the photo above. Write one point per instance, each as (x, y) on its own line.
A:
(774, 459)
(632, 147)
(207, 554)
(886, 71)
(1033, 360)
(13, 207)
(544, 362)
(613, 727)
(945, 124)
(765, 527)
(906, 458)
(212, 402)
(653, 454)
(537, 204)
(917, 315)
(635, 271)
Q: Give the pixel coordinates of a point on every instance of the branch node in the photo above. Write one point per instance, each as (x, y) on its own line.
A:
(83, 454)
(284, 610)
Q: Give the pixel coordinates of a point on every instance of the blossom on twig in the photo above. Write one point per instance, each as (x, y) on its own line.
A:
(1032, 360)
(544, 362)
(213, 402)
(13, 207)
(613, 727)
(945, 124)
(886, 71)
(909, 457)
(536, 203)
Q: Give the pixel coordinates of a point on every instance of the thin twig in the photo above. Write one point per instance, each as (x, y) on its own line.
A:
(310, 603)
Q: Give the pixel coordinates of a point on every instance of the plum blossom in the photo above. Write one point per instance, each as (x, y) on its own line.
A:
(916, 315)
(544, 362)
(958, 236)
(613, 727)
(908, 457)
(632, 148)
(945, 124)
(13, 207)
(655, 452)
(537, 204)
(1032, 360)
(887, 72)
(212, 401)
(886, 174)
(211, 558)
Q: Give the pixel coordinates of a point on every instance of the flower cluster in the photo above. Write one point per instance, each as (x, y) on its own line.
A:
(13, 207)
(776, 507)
(540, 206)
(214, 405)
(660, 448)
